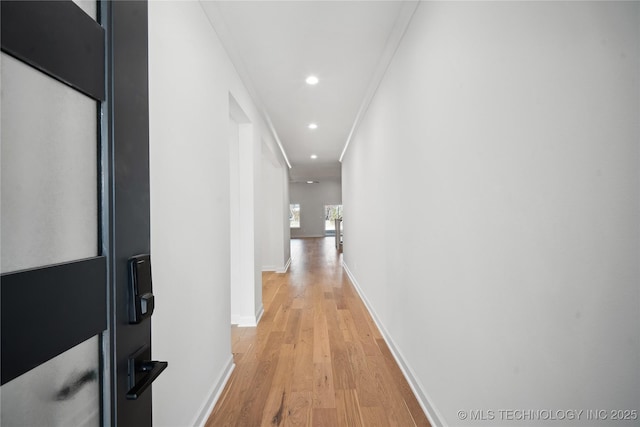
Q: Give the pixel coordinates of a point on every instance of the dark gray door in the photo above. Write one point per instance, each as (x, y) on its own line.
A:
(75, 208)
(128, 41)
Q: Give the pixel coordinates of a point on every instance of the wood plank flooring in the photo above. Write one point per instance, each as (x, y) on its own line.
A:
(316, 357)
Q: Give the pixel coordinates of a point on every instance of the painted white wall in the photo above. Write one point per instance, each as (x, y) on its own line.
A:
(275, 251)
(190, 78)
(491, 205)
(252, 133)
(286, 235)
(266, 216)
(312, 199)
(246, 289)
(246, 292)
(234, 219)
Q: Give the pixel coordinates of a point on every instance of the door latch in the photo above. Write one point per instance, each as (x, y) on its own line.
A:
(142, 372)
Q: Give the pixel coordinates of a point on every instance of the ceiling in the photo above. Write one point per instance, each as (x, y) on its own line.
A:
(275, 45)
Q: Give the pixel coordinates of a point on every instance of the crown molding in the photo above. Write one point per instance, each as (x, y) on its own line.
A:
(393, 41)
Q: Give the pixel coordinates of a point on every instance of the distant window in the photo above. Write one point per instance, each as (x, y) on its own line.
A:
(294, 215)
(331, 213)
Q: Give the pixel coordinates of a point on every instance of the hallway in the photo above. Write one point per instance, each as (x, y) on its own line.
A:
(158, 157)
(316, 357)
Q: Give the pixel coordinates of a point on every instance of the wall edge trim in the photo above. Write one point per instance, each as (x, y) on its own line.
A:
(430, 411)
(244, 321)
(259, 314)
(393, 43)
(284, 269)
(214, 394)
(248, 321)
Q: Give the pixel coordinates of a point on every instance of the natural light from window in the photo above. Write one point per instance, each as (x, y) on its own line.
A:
(331, 213)
(294, 215)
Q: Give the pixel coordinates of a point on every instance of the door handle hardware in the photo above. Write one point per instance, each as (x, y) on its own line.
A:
(152, 368)
(142, 372)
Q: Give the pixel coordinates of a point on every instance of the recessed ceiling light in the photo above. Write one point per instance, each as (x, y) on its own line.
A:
(313, 156)
(313, 126)
(312, 80)
(309, 182)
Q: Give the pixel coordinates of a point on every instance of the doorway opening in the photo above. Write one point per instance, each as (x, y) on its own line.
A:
(245, 279)
(332, 213)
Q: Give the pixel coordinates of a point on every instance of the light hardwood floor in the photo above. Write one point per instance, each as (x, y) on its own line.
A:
(316, 357)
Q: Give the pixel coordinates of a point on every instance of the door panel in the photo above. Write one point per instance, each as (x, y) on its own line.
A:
(54, 281)
(130, 181)
(59, 39)
(46, 311)
(61, 392)
(49, 189)
(52, 77)
(77, 191)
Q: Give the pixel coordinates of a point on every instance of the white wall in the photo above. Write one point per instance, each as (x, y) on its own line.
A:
(504, 142)
(312, 199)
(286, 235)
(274, 214)
(245, 274)
(191, 78)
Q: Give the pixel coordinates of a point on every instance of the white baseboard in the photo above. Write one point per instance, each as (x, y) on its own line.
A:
(244, 321)
(432, 414)
(285, 268)
(278, 269)
(248, 321)
(259, 314)
(214, 394)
